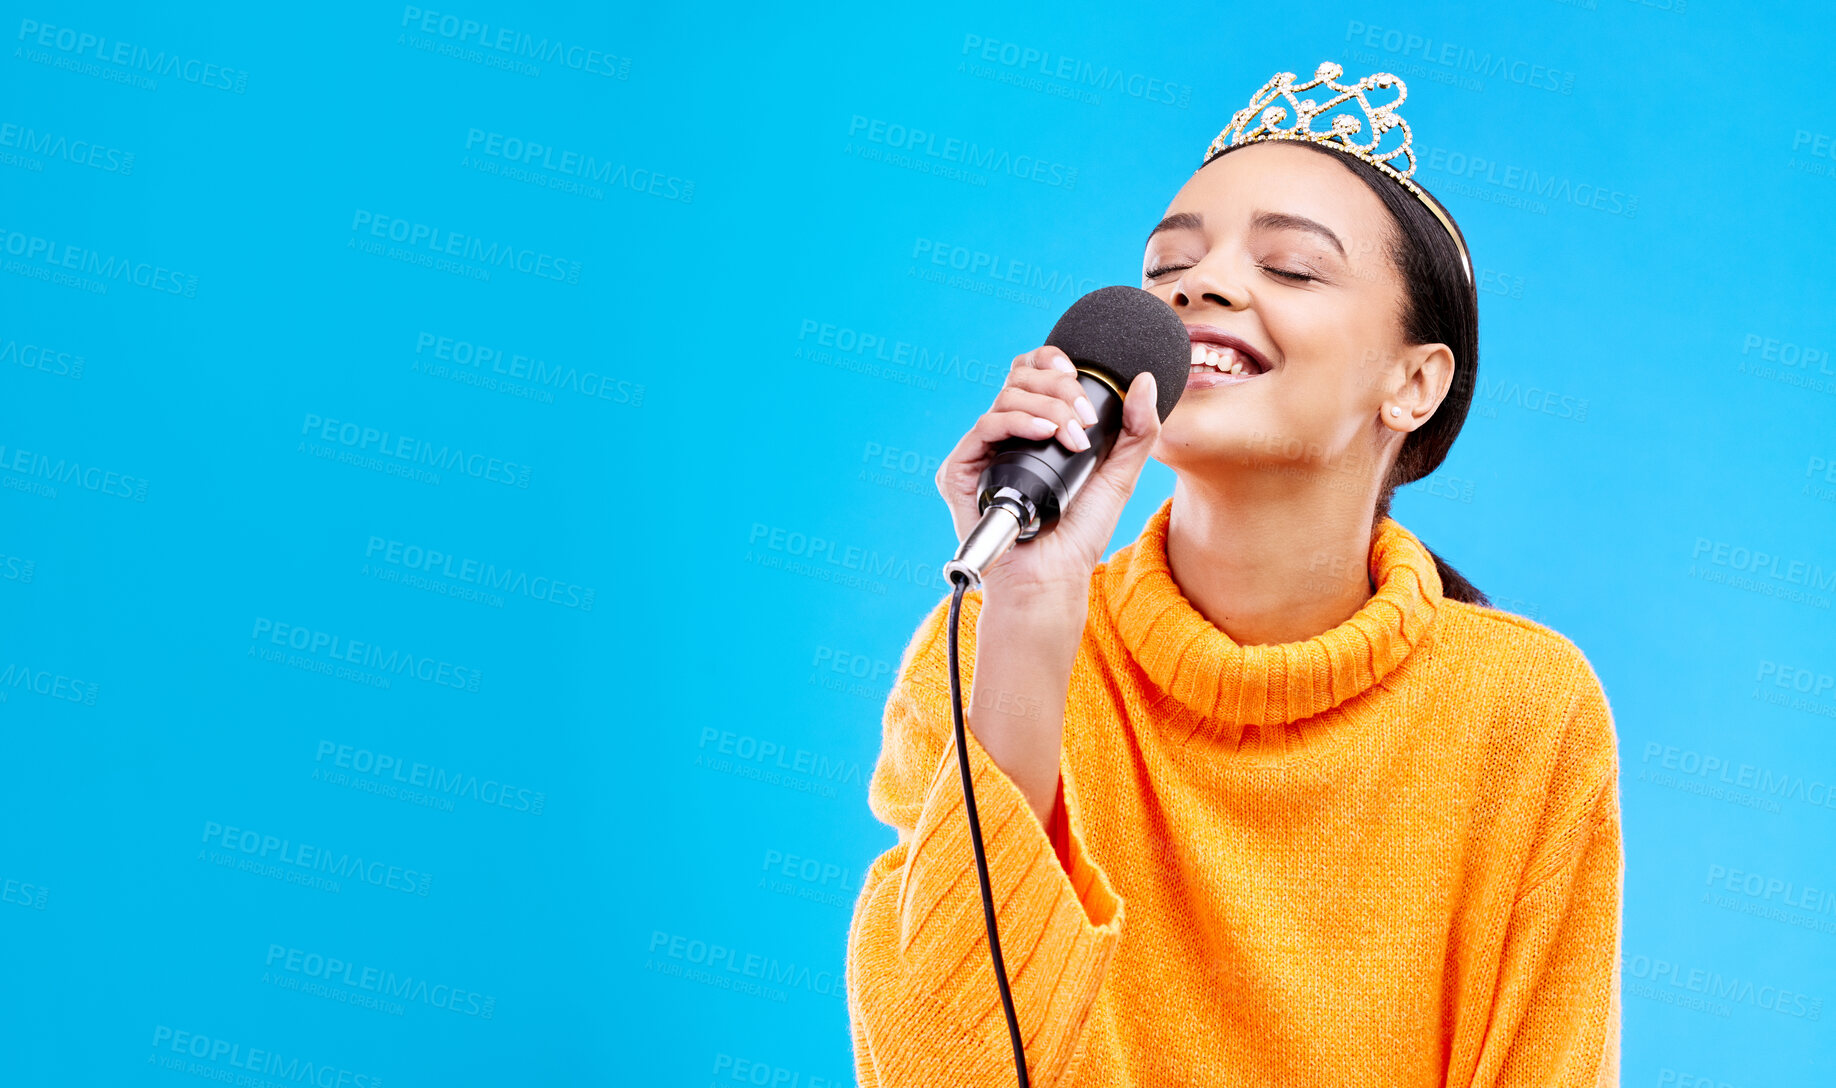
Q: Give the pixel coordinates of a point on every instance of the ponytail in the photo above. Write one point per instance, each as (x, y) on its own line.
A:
(1454, 585)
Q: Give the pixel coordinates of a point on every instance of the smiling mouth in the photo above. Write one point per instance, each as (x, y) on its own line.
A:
(1219, 359)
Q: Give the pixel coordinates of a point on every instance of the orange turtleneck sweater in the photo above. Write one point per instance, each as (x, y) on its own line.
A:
(1386, 855)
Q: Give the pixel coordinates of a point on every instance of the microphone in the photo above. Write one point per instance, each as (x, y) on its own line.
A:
(1110, 335)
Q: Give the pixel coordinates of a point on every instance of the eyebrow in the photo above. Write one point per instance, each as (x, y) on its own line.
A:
(1262, 221)
(1178, 221)
(1283, 221)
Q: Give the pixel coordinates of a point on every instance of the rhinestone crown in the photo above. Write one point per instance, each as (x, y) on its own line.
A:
(1265, 109)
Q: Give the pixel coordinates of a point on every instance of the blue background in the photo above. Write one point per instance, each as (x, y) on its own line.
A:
(639, 389)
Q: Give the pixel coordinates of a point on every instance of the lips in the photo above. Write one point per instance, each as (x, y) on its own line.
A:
(1219, 358)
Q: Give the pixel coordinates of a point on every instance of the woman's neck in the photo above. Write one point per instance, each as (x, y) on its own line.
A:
(1268, 562)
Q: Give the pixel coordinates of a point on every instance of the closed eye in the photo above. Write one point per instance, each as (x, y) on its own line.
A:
(1156, 273)
(1288, 274)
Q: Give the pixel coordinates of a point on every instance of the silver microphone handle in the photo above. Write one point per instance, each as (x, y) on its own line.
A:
(987, 542)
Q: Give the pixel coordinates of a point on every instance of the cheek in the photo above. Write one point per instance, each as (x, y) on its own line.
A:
(1325, 362)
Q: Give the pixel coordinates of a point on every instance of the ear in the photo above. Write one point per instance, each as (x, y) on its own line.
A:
(1427, 374)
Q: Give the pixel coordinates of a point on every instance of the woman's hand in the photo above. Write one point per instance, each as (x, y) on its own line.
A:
(1042, 398)
(1036, 598)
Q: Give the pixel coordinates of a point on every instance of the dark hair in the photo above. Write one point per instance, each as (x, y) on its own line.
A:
(1442, 307)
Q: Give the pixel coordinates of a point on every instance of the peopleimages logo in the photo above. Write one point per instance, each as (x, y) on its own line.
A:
(80, 152)
(1796, 572)
(1801, 680)
(576, 171)
(514, 366)
(24, 894)
(1709, 769)
(315, 859)
(906, 354)
(712, 956)
(1773, 350)
(821, 556)
(267, 1063)
(35, 251)
(514, 45)
(1026, 61)
(1530, 398)
(1656, 972)
(1511, 184)
(1002, 269)
(1787, 362)
(1807, 897)
(35, 467)
(899, 469)
(774, 758)
(1459, 58)
(368, 655)
(14, 568)
(516, 583)
(423, 237)
(330, 969)
(951, 149)
(1820, 144)
(135, 58)
(381, 766)
(47, 360)
(51, 685)
(414, 451)
(750, 1071)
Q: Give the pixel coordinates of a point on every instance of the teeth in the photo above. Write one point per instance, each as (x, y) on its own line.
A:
(1222, 359)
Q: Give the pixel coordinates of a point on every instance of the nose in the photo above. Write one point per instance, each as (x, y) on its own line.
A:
(1207, 282)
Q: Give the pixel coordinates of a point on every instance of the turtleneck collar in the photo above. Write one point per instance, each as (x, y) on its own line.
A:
(1230, 686)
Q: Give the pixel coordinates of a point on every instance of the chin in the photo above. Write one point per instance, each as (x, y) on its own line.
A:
(1193, 438)
(1222, 430)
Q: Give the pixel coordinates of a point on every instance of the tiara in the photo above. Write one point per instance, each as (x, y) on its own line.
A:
(1264, 109)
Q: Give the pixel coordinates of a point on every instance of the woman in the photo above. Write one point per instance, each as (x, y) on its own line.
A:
(1271, 796)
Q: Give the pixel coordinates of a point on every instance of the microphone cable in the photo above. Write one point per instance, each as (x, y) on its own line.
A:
(975, 833)
(1112, 336)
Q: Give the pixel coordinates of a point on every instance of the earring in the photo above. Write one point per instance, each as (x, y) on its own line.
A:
(1395, 411)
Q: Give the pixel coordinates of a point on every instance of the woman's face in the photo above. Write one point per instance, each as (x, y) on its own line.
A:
(1277, 258)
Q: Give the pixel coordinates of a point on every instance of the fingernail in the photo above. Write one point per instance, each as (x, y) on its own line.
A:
(1079, 440)
(1085, 412)
(1059, 362)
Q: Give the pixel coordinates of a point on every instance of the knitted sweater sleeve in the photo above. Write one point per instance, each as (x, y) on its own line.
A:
(922, 1000)
(1556, 1015)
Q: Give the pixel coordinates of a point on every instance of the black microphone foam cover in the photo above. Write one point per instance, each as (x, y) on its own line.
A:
(1123, 331)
